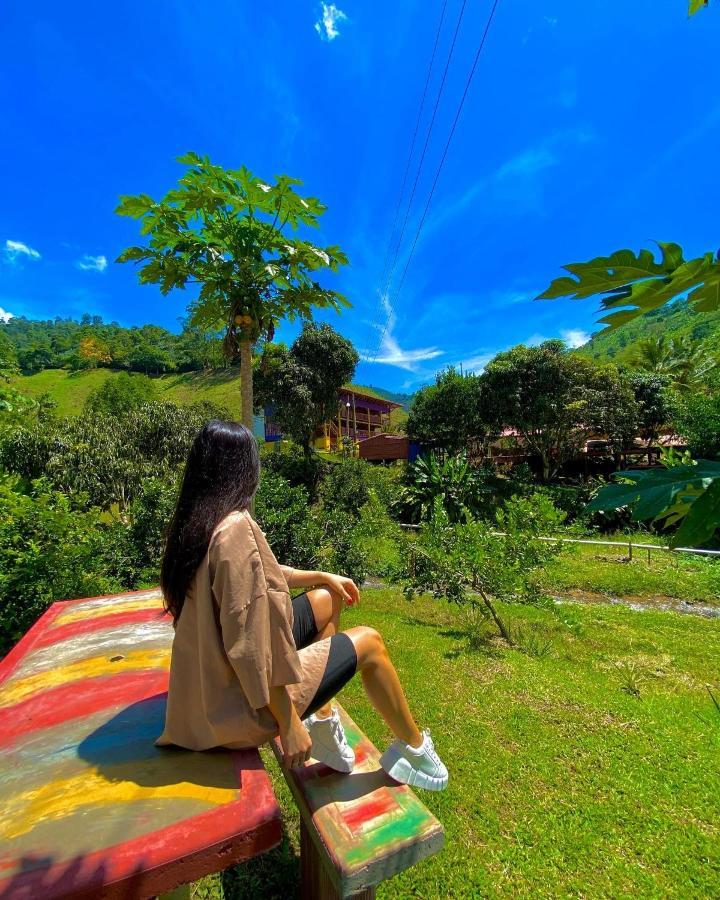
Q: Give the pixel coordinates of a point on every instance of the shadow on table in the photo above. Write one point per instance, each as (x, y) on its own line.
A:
(41, 876)
(123, 749)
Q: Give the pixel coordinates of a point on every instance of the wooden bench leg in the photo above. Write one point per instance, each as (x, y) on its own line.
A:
(315, 883)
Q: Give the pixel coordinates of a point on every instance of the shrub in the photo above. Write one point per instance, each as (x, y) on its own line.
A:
(283, 512)
(471, 564)
(48, 551)
(346, 486)
(121, 394)
(297, 468)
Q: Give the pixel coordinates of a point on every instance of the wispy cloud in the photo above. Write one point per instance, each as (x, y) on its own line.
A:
(92, 263)
(574, 337)
(518, 185)
(330, 17)
(390, 352)
(15, 250)
(475, 364)
(5, 316)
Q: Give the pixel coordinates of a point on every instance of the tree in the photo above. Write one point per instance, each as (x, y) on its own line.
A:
(445, 415)
(92, 352)
(121, 394)
(550, 397)
(477, 563)
(226, 231)
(685, 362)
(697, 418)
(302, 384)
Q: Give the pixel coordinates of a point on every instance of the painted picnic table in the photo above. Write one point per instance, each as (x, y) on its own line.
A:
(88, 805)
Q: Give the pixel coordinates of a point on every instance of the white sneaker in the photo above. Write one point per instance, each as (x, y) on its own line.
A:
(329, 744)
(418, 766)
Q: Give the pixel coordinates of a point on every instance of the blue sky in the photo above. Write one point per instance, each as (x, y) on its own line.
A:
(589, 127)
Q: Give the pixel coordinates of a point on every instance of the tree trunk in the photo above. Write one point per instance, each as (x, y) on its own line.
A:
(496, 618)
(246, 383)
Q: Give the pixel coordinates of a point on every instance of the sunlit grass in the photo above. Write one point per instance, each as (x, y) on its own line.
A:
(584, 764)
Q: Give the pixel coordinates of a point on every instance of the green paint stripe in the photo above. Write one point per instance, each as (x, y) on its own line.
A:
(403, 829)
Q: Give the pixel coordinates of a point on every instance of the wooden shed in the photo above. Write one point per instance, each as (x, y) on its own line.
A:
(384, 447)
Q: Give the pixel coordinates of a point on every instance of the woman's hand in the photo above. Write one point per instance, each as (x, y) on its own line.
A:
(296, 743)
(341, 587)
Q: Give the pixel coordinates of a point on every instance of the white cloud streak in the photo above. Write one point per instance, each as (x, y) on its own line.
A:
(14, 250)
(5, 316)
(92, 263)
(390, 353)
(326, 25)
(574, 337)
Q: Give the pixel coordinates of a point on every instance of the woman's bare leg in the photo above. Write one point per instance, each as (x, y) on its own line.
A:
(382, 684)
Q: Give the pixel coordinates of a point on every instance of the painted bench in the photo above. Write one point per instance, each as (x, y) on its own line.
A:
(89, 807)
(357, 830)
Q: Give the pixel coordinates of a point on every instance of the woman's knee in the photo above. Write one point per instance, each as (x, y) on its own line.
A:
(323, 605)
(369, 644)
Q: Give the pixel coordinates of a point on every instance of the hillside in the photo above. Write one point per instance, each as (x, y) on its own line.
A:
(70, 390)
(674, 321)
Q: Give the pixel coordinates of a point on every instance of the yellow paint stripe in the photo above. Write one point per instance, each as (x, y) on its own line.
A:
(15, 690)
(59, 799)
(107, 609)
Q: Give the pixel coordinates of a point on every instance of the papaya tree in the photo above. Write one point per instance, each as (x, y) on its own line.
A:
(238, 239)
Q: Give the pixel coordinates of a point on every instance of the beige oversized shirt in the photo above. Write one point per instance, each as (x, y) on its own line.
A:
(233, 641)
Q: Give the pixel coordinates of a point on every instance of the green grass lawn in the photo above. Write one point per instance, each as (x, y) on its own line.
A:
(606, 570)
(589, 769)
(70, 390)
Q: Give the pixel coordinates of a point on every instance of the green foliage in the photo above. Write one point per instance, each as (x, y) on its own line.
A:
(121, 395)
(33, 345)
(688, 496)
(298, 468)
(283, 511)
(446, 415)
(471, 563)
(301, 384)
(696, 417)
(552, 397)
(48, 551)
(459, 489)
(633, 284)
(139, 547)
(105, 457)
(346, 486)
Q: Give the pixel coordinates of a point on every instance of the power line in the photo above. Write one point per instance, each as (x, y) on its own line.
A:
(414, 138)
(445, 152)
(419, 170)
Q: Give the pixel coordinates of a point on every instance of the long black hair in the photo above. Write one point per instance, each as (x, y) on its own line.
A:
(221, 476)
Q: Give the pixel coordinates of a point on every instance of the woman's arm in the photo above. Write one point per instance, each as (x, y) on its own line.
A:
(345, 588)
(294, 737)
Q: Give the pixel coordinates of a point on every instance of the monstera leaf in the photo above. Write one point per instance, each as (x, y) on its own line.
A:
(689, 495)
(631, 284)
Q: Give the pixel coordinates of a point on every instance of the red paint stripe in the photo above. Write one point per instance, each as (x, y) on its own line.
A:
(30, 640)
(356, 817)
(98, 623)
(80, 698)
(156, 862)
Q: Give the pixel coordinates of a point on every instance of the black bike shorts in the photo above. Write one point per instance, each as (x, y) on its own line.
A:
(342, 659)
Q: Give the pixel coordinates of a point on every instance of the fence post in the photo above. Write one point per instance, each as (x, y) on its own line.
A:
(630, 551)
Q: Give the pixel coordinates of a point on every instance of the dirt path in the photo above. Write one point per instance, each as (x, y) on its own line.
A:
(577, 595)
(659, 603)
